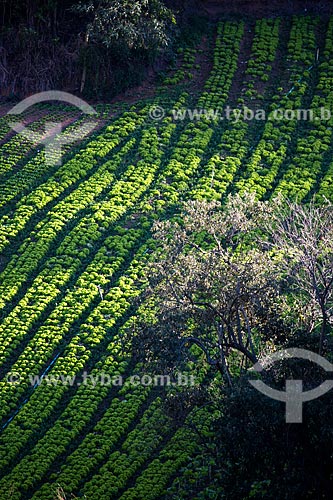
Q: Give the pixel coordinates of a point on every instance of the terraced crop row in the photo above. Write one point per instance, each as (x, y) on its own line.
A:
(266, 161)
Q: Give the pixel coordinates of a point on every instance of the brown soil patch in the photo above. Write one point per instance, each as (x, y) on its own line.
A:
(244, 55)
(204, 59)
(148, 88)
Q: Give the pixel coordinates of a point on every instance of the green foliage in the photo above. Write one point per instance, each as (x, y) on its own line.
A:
(139, 24)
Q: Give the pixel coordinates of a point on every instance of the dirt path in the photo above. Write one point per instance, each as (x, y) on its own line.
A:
(244, 55)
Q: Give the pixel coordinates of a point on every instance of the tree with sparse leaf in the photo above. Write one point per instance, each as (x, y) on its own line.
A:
(237, 279)
(303, 235)
(211, 284)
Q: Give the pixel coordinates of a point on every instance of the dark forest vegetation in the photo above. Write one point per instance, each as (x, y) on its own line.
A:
(98, 48)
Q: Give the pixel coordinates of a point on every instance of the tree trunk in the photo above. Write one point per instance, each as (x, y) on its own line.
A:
(323, 330)
(84, 72)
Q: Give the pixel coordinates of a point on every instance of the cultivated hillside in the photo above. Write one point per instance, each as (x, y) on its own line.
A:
(75, 238)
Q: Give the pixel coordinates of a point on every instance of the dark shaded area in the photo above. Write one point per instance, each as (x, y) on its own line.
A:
(261, 8)
(261, 456)
(252, 453)
(43, 44)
